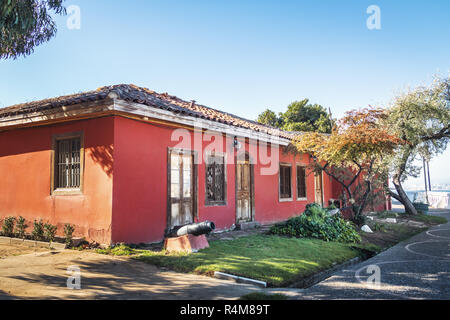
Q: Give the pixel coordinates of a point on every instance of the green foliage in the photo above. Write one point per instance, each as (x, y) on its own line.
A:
(359, 219)
(429, 219)
(26, 24)
(378, 227)
(315, 222)
(38, 230)
(302, 116)
(387, 214)
(21, 226)
(119, 250)
(422, 118)
(299, 116)
(277, 260)
(68, 233)
(8, 226)
(50, 231)
(269, 118)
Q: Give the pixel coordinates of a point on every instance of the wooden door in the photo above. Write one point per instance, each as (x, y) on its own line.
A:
(318, 187)
(181, 189)
(243, 191)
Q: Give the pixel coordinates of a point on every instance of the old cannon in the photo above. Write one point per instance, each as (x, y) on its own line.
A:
(196, 229)
(188, 238)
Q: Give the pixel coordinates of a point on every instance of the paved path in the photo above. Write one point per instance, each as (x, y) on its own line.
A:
(44, 276)
(418, 268)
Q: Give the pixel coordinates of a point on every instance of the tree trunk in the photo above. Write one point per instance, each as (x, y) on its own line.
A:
(403, 197)
(364, 198)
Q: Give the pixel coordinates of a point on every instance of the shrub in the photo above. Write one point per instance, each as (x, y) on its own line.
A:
(50, 231)
(68, 233)
(120, 249)
(315, 222)
(21, 227)
(8, 226)
(38, 230)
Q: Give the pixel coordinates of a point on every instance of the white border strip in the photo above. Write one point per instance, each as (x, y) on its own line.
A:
(226, 276)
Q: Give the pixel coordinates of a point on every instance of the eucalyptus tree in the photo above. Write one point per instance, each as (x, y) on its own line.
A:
(421, 117)
(25, 24)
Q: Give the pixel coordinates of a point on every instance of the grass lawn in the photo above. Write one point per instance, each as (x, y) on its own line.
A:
(425, 218)
(428, 219)
(276, 260)
(279, 261)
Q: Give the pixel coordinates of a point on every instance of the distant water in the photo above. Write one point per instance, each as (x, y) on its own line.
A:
(411, 194)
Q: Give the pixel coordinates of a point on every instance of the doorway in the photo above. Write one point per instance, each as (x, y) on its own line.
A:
(244, 189)
(181, 188)
(318, 188)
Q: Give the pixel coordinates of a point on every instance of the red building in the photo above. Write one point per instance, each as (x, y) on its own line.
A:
(124, 163)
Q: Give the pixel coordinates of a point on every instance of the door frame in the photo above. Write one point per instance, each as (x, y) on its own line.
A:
(322, 201)
(252, 186)
(194, 183)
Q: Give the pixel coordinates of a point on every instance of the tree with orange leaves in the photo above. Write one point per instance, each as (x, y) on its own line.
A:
(358, 143)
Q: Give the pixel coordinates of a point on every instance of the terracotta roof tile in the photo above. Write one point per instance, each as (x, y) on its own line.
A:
(133, 93)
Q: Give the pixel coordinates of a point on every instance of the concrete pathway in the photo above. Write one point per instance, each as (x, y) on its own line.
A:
(43, 275)
(418, 268)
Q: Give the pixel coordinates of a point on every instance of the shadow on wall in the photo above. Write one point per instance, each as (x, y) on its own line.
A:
(103, 155)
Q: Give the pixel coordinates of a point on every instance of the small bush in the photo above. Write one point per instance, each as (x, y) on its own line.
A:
(119, 250)
(315, 222)
(50, 231)
(378, 227)
(38, 230)
(8, 226)
(68, 233)
(359, 220)
(21, 226)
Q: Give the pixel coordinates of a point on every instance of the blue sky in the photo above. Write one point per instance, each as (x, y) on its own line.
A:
(242, 56)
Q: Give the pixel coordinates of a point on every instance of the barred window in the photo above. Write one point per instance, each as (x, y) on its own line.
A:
(215, 180)
(285, 182)
(68, 164)
(301, 182)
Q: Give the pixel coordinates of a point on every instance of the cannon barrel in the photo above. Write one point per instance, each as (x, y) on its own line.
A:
(195, 229)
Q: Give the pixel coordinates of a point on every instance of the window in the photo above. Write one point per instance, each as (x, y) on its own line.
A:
(215, 180)
(301, 182)
(67, 163)
(285, 182)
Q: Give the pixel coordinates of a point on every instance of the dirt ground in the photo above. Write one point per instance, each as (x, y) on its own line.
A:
(43, 275)
(14, 250)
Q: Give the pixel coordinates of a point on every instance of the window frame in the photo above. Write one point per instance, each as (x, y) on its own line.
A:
(57, 191)
(305, 198)
(216, 202)
(289, 165)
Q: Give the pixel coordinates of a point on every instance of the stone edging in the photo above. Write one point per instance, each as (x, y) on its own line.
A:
(33, 243)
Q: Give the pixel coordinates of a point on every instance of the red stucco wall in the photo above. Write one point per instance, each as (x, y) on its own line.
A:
(125, 181)
(140, 184)
(25, 170)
